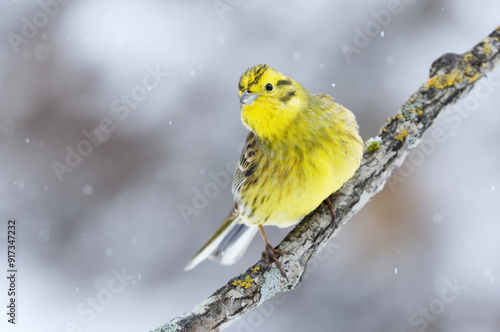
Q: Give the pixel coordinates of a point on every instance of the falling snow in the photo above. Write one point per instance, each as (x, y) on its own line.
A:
(221, 39)
(437, 218)
(87, 189)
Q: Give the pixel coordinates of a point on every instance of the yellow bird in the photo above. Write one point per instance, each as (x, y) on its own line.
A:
(302, 147)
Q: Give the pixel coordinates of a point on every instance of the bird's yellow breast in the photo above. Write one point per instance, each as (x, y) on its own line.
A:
(311, 164)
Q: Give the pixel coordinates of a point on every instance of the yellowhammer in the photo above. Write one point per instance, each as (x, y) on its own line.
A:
(301, 148)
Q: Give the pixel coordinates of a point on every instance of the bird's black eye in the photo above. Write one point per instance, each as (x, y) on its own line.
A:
(269, 87)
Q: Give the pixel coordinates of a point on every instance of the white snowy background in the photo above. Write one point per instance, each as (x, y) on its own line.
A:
(423, 255)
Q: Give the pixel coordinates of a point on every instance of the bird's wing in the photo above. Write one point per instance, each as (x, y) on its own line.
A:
(247, 163)
(232, 238)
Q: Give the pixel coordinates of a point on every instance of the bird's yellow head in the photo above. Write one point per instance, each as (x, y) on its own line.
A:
(270, 101)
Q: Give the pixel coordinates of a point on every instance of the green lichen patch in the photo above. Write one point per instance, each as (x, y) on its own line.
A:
(373, 144)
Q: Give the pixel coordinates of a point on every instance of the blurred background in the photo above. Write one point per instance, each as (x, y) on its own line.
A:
(120, 129)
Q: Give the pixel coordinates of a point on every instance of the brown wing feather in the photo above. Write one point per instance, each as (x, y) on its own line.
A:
(247, 163)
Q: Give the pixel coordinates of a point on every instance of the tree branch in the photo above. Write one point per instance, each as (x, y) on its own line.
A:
(452, 77)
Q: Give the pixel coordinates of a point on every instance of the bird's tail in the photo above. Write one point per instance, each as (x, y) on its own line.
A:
(228, 243)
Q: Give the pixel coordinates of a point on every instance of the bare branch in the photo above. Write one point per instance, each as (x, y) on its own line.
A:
(452, 77)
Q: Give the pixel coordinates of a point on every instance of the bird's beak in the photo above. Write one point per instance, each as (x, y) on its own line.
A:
(248, 97)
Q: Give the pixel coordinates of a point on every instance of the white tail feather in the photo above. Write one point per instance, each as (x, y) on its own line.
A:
(234, 244)
(228, 246)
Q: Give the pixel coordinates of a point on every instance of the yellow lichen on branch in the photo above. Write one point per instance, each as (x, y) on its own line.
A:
(247, 283)
(402, 135)
(464, 70)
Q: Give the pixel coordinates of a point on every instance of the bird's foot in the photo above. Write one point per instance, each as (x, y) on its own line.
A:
(271, 254)
(329, 203)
